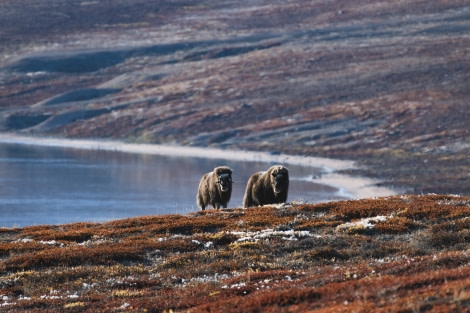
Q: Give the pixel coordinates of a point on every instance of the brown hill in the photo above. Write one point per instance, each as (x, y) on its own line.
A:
(381, 82)
(396, 254)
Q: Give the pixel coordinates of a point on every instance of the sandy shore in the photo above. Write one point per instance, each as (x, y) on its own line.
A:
(352, 187)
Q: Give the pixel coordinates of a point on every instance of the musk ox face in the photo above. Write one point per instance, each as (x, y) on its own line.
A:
(280, 180)
(225, 182)
(224, 178)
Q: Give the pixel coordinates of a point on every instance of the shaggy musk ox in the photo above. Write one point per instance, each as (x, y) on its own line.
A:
(267, 187)
(215, 188)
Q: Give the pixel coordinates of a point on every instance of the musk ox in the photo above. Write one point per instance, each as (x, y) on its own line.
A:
(215, 188)
(267, 187)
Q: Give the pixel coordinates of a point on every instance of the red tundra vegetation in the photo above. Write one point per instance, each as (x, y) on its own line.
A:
(395, 254)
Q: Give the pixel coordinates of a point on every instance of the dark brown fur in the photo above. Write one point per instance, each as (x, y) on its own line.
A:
(211, 187)
(267, 187)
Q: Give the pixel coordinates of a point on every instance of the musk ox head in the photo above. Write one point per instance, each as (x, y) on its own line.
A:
(224, 178)
(279, 179)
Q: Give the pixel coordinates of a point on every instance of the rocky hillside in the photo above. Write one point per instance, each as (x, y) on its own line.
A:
(381, 82)
(396, 254)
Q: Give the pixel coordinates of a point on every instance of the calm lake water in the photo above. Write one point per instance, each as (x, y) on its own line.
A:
(53, 185)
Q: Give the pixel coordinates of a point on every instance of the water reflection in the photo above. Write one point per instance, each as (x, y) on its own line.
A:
(53, 185)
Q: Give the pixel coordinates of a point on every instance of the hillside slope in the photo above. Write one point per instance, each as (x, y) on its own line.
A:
(395, 254)
(384, 83)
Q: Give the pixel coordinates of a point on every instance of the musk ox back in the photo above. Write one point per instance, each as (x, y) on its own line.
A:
(215, 188)
(267, 187)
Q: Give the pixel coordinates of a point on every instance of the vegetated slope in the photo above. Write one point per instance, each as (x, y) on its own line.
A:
(381, 82)
(395, 254)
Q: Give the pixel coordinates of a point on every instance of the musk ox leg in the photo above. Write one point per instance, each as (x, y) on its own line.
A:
(248, 199)
(202, 193)
(200, 202)
(219, 205)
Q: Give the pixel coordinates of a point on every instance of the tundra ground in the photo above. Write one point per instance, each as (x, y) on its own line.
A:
(396, 254)
(384, 83)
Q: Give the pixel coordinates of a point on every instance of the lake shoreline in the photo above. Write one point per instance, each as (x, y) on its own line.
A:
(349, 186)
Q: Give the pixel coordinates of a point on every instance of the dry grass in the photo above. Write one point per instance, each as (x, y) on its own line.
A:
(402, 253)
